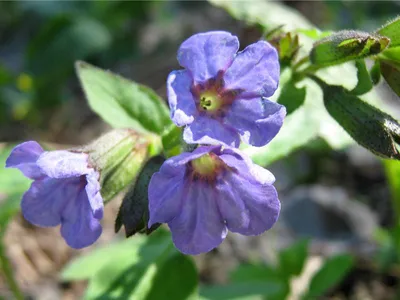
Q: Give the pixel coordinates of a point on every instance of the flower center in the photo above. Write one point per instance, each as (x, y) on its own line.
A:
(207, 167)
(210, 101)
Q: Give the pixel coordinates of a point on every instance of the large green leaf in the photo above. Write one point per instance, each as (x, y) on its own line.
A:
(140, 268)
(392, 30)
(293, 258)
(87, 266)
(266, 13)
(331, 273)
(392, 170)
(242, 291)
(121, 102)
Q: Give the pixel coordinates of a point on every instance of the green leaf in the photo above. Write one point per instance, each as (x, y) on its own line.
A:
(292, 259)
(121, 102)
(392, 170)
(364, 83)
(391, 72)
(262, 273)
(134, 212)
(392, 30)
(134, 277)
(242, 291)
(88, 265)
(176, 279)
(331, 273)
(268, 14)
(375, 72)
(367, 125)
(292, 97)
(391, 54)
(346, 45)
(172, 141)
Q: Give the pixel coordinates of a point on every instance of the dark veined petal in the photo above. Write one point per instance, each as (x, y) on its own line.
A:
(205, 130)
(79, 227)
(248, 208)
(63, 164)
(24, 157)
(45, 200)
(255, 71)
(205, 54)
(93, 192)
(257, 120)
(199, 227)
(180, 98)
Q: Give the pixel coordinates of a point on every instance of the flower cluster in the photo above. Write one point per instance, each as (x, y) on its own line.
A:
(220, 98)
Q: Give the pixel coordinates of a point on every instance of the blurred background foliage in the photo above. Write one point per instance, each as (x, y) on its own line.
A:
(341, 201)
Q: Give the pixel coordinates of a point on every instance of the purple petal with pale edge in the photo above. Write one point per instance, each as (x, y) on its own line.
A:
(205, 54)
(257, 120)
(24, 157)
(180, 98)
(199, 227)
(45, 200)
(165, 197)
(245, 167)
(64, 164)
(79, 227)
(205, 130)
(255, 71)
(248, 208)
(93, 192)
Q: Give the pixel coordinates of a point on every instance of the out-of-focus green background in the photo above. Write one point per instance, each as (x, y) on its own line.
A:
(40, 99)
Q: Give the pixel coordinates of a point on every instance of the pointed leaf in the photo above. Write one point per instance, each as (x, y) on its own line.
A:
(121, 102)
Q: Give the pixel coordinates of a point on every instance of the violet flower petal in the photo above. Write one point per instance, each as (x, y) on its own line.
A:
(205, 130)
(93, 193)
(257, 120)
(255, 71)
(180, 98)
(43, 203)
(245, 166)
(79, 227)
(199, 227)
(24, 157)
(247, 207)
(63, 164)
(166, 194)
(205, 54)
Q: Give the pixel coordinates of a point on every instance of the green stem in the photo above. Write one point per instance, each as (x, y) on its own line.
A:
(8, 272)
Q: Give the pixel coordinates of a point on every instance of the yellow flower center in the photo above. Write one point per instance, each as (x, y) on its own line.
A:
(206, 165)
(210, 101)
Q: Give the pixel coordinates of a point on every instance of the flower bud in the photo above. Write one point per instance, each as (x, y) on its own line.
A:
(118, 156)
(367, 125)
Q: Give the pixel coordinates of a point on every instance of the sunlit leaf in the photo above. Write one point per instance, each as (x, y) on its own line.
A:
(121, 102)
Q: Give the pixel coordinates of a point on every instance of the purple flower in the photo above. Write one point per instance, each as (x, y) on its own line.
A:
(65, 191)
(204, 193)
(221, 95)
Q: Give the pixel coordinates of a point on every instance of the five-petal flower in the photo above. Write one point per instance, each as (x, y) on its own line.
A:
(65, 191)
(221, 96)
(205, 193)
